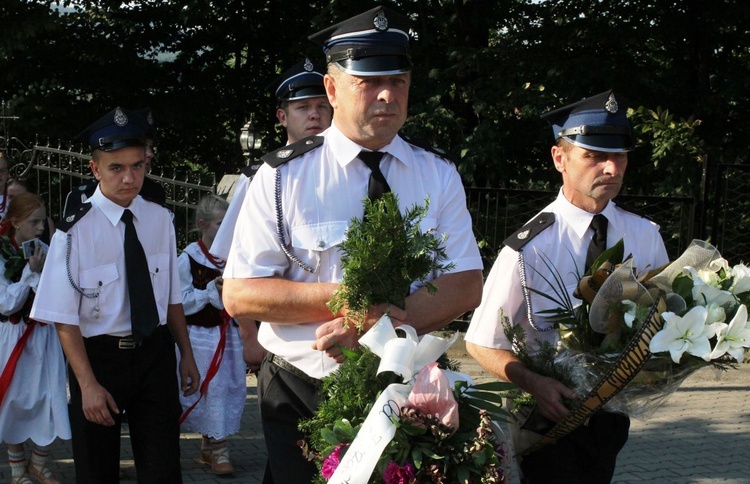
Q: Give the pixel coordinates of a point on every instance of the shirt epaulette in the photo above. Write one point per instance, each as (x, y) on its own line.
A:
(281, 155)
(248, 170)
(432, 149)
(78, 195)
(522, 236)
(72, 218)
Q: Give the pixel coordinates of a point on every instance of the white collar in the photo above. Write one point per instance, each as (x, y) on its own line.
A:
(113, 211)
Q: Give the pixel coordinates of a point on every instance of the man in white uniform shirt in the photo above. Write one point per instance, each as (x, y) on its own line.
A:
(303, 110)
(119, 337)
(283, 270)
(593, 137)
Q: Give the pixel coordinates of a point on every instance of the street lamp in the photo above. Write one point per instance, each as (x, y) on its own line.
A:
(250, 140)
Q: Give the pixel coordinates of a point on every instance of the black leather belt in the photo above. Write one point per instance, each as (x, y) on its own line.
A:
(285, 365)
(121, 343)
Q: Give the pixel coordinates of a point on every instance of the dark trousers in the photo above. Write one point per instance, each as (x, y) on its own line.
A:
(285, 399)
(585, 456)
(143, 382)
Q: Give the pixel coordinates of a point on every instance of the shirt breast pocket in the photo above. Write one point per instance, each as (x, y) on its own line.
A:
(100, 284)
(311, 241)
(158, 266)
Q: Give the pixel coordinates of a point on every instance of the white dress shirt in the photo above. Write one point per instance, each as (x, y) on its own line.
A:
(322, 191)
(223, 238)
(564, 244)
(97, 266)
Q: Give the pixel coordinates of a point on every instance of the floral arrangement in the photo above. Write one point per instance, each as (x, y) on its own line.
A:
(443, 433)
(697, 311)
(396, 411)
(14, 260)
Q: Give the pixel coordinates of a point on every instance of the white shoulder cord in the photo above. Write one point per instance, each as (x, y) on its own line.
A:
(526, 296)
(70, 275)
(280, 229)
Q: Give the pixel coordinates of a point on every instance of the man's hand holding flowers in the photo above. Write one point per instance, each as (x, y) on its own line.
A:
(338, 332)
(550, 396)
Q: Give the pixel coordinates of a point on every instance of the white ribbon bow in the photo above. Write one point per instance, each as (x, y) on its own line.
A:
(405, 356)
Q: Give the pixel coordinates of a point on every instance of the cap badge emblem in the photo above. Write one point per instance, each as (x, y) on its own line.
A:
(380, 22)
(284, 153)
(308, 66)
(611, 104)
(120, 118)
(150, 119)
(523, 235)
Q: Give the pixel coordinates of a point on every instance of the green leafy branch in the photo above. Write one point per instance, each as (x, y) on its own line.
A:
(383, 254)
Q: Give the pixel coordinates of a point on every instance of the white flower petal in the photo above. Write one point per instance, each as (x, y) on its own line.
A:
(738, 354)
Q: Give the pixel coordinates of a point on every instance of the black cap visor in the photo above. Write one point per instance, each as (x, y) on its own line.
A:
(112, 143)
(304, 93)
(612, 143)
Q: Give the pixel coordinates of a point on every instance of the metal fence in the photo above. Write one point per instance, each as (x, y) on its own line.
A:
(730, 213)
(497, 213)
(54, 172)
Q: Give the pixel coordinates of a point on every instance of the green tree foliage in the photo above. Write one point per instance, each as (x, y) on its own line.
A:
(484, 72)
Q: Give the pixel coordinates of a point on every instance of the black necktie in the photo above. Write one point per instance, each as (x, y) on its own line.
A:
(377, 185)
(598, 241)
(144, 316)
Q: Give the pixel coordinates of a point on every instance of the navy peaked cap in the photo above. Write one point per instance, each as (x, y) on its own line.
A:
(301, 81)
(119, 128)
(146, 118)
(597, 123)
(373, 43)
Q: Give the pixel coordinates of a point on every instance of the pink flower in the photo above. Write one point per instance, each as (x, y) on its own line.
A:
(396, 474)
(332, 461)
(432, 394)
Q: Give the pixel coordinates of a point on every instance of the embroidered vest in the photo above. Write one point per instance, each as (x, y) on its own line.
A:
(209, 316)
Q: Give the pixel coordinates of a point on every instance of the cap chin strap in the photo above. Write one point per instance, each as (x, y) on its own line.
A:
(586, 129)
(371, 51)
(109, 143)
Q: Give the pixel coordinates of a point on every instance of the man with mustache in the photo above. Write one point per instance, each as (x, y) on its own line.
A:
(283, 269)
(593, 138)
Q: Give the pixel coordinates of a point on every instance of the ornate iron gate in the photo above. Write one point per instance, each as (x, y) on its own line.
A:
(54, 172)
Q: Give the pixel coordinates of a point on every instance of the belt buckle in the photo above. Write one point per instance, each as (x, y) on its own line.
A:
(128, 343)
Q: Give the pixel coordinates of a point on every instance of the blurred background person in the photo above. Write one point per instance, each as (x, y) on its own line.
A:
(303, 110)
(33, 401)
(15, 187)
(216, 410)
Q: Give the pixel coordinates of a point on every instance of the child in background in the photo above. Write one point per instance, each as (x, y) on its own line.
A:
(17, 186)
(33, 401)
(216, 410)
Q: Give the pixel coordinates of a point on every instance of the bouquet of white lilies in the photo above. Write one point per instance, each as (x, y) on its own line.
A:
(636, 339)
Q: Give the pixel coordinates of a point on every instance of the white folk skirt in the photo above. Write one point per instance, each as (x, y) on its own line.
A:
(219, 412)
(36, 404)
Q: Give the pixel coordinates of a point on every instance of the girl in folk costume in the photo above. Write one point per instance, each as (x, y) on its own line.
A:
(216, 410)
(33, 401)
